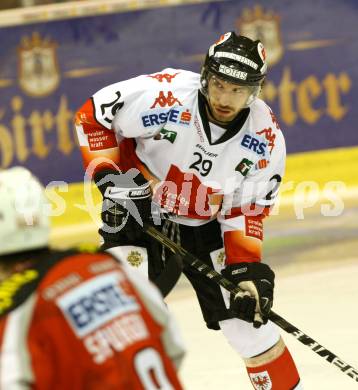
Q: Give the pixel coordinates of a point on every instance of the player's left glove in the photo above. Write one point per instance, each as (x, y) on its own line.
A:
(255, 301)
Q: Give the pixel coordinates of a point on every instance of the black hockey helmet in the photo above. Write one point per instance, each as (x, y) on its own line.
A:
(237, 59)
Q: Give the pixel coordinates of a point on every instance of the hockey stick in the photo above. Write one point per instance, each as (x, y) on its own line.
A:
(210, 273)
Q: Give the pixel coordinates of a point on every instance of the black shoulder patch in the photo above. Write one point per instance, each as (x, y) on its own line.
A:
(15, 289)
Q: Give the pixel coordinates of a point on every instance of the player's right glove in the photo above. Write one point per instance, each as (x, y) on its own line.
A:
(255, 301)
(126, 203)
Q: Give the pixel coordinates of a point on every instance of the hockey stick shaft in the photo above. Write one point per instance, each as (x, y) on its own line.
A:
(210, 273)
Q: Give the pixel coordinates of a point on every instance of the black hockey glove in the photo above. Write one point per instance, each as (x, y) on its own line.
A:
(256, 280)
(126, 204)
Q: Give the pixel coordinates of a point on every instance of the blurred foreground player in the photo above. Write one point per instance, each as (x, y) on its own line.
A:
(214, 155)
(71, 320)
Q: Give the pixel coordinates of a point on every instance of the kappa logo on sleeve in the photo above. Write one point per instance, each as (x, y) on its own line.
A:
(96, 302)
(269, 135)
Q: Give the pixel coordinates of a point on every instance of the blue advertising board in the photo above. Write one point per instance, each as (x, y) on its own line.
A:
(47, 71)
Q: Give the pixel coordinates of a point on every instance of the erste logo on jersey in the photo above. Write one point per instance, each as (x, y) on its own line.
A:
(96, 302)
(178, 115)
(254, 144)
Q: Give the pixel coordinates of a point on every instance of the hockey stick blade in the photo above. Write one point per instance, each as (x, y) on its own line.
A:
(210, 273)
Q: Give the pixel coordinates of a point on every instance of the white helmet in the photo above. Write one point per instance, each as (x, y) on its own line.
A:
(24, 221)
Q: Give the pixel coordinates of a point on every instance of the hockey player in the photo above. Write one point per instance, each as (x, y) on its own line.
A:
(72, 320)
(214, 156)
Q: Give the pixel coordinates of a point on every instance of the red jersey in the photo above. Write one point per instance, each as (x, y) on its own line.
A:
(85, 321)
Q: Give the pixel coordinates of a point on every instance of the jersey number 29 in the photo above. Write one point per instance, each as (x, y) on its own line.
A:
(201, 165)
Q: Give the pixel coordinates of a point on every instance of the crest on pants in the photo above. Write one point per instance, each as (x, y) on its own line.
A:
(38, 66)
(135, 258)
(265, 26)
(261, 380)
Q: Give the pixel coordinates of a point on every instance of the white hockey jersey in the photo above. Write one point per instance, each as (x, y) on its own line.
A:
(158, 124)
